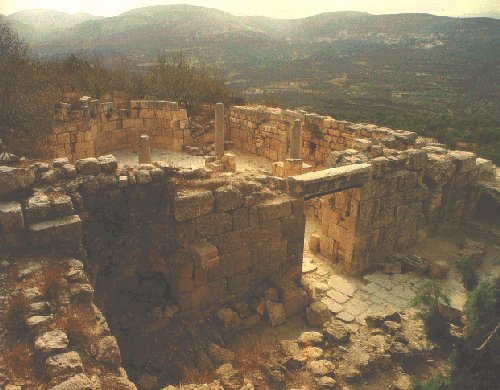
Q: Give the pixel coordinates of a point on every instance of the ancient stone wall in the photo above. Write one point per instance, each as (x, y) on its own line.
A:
(263, 131)
(99, 128)
(208, 239)
(380, 207)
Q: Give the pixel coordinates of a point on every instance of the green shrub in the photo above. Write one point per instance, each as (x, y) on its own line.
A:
(428, 298)
(482, 308)
(467, 272)
(438, 383)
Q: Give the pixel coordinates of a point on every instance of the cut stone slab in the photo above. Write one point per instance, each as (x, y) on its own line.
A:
(343, 285)
(356, 307)
(345, 316)
(39, 323)
(335, 332)
(329, 180)
(77, 382)
(321, 367)
(108, 352)
(311, 338)
(333, 306)
(51, 343)
(64, 365)
(337, 296)
(317, 314)
(276, 313)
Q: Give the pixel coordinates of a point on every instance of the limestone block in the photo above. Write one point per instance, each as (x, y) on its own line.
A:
(11, 217)
(193, 204)
(66, 230)
(464, 161)
(15, 179)
(227, 198)
(240, 218)
(51, 343)
(61, 205)
(108, 163)
(276, 313)
(205, 255)
(77, 382)
(213, 224)
(314, 242)
(416, 159)
(64, 365)
(274, 209)
(81, 293)
(108, 352)
(294, 300)
(38, 208)
(318, 313)
(87, 166)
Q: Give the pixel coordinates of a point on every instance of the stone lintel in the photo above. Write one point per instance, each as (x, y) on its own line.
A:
(329, 180)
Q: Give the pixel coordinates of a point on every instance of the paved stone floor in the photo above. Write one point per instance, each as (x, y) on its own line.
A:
(352, 299)
(245, 161)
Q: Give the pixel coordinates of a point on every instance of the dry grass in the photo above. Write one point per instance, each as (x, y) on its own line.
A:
(195, 376)
(76, 325)
(18, 309)
(251, 355)
(52, 282)
(20, 361)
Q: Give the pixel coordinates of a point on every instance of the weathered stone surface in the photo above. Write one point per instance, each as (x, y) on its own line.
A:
(108, 163)
(335, 332)
(220, 355)
(314, 241)
(77, 382)
(317, 313)
(327, 383)
(311, 338)
(227, 198)
(294, 299)
(11, 217)
(108, 352)
(229, 318)
(193, 204)
(14, 179)
(39, 323)
(64, 365)
(230, 378)
(113, 382)
(473, 251)
(88, 166)
(376, 320)
(51, 343)
(439, 269)
(276, 313)
(81, 293)
(66, 230)
(321, 367)
(329, 180)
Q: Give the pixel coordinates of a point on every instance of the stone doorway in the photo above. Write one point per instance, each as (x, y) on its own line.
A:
(336, 216)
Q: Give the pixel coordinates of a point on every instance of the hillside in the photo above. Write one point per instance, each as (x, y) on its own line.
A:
(414, 71)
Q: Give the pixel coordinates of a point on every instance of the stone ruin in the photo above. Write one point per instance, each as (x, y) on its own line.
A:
(206, 242)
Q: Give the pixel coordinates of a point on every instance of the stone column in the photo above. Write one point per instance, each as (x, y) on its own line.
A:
(294, 152)
(144, 150)
(219, 131)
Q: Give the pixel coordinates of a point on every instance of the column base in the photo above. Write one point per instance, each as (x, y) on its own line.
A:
(291, 167)
(226, 164)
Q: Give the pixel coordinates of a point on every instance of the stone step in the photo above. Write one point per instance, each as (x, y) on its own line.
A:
(66, 231)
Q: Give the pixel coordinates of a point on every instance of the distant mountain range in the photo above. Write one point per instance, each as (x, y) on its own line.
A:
(408, 70)
(52, 32)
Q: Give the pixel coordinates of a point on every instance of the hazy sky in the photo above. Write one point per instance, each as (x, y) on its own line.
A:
(272, 8)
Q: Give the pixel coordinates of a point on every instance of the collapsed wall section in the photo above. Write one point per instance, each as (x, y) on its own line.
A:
(209, 239)
(263, 131)
(370, 211)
